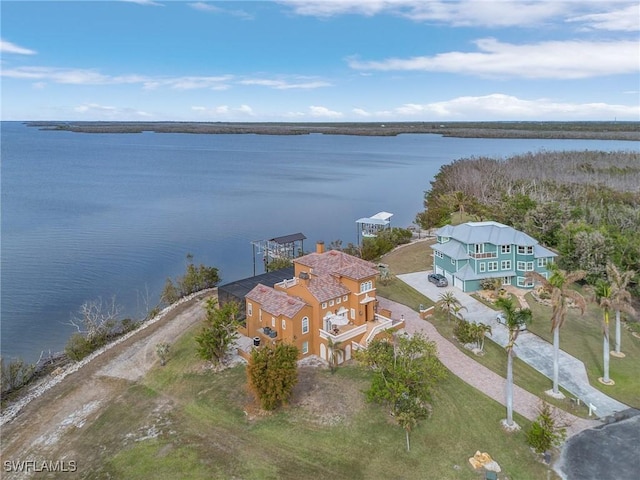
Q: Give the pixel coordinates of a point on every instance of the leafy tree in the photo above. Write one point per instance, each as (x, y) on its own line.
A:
(170, 292)
(514, 319)
(546, 431)
(449, 303)
(620, 296)
(219, 330)
(559, 287)
(405, 370)
(272, 373)
(195, 279)
(279, 264)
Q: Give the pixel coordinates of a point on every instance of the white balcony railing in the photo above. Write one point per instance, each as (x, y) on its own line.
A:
(343, 336)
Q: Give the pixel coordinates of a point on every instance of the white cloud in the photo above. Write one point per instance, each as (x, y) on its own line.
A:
(69, 75)
(150, 3)
(8, 47)
(209, 8)
(555, 59)
(507, 107)
(92, 77)
(465, 12)
(225, 111)
(317, 111)
(361, 113)
(282, 85)
(205, 7)
(96, 111)
(626, 19)
(621, 15)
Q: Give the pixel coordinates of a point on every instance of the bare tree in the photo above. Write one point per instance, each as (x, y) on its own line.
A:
(96, 317)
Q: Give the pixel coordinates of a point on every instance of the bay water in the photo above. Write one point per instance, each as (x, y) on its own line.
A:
(87, 216)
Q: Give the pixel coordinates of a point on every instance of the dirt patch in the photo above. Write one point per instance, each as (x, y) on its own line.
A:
(68, 403)
(323, 398)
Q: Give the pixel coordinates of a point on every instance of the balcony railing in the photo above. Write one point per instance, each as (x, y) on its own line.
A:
(344, 334)
(484, 255)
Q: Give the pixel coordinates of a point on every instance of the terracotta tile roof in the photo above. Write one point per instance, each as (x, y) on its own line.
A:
(275, 302)
(326, 287)
(334, 262)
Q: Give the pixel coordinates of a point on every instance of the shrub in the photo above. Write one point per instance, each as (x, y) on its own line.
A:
(547, 431)
(464, 332)
(78, 347)
(15, 374)
(127, 325)
(272, 373)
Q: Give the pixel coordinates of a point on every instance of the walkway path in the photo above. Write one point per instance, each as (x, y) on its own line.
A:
(529, 348)
(475, 374)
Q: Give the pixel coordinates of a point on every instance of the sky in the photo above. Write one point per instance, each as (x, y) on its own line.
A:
(320, 61)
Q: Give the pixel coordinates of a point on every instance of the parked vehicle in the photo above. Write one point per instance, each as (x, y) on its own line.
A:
(500, 318)
(438, 280)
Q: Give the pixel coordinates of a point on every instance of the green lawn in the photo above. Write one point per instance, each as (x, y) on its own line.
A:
(495, 359)
(205, 433)
(581, 336)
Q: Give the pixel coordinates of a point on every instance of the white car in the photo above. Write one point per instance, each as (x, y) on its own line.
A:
(500, 318)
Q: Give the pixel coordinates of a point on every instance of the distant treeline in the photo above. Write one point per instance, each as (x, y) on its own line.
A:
(552, 130)
(585, 205)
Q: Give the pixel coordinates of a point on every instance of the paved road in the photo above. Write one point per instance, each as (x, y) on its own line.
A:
(529, 348)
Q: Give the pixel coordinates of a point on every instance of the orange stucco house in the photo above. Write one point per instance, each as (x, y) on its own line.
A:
(332, 296)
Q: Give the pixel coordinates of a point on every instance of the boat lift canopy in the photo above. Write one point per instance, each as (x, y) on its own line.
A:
(370, 226)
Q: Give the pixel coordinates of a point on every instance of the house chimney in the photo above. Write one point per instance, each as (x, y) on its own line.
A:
(320, 247)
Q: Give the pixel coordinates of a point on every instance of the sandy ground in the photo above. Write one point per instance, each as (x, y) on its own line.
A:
(33, 431)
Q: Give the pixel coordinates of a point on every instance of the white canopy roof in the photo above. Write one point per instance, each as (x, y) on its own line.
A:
(380, 218)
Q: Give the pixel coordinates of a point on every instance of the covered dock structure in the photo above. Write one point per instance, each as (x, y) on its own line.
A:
(369, 227)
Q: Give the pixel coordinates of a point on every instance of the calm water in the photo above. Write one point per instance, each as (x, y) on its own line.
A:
(96, 215)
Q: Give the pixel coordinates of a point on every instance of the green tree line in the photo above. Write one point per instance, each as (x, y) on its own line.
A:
(584, 205)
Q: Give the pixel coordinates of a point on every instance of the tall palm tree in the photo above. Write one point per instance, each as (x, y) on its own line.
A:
(603, 297)
(514, 319)
(559, 287)
(449, 303)
(620, 297)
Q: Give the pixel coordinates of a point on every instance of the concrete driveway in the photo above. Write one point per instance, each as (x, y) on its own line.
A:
(529, 347)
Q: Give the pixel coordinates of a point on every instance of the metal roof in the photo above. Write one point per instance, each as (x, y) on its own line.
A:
(380, 218)
(238, 289)
(486, 232)
(294, 237)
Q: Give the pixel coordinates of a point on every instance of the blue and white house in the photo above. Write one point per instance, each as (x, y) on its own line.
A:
(468, 253)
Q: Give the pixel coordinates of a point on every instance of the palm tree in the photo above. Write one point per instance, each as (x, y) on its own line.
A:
(514, 319)
(335, 348)
(620, 297)
(449, 303)
(559, 287)
(603, 297)
(480, 331)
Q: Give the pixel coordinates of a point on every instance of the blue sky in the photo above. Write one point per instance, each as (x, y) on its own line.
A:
(329, 60)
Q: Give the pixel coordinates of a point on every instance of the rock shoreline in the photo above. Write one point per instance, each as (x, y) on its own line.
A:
(12, 410)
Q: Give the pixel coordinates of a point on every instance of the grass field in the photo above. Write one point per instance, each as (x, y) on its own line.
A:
(187, 422)
(581, 336)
